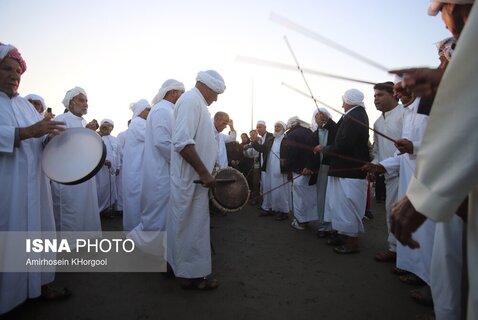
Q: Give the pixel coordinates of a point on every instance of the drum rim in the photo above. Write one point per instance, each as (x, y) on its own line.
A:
(217, 204)
(93, 172)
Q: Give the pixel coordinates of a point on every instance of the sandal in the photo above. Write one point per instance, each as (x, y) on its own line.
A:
(412, 279)
(386, 256)
(422, 295)
(200, 284)
(52, 293)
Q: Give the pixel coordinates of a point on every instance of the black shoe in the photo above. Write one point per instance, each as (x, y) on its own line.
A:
(335, 241)
(265, 213)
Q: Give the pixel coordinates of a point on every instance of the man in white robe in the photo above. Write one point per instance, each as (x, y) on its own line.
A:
(76, 206)
(280, 192)
(121, 139)
(347, 187)
(402, 164)
(324, 134)
(441, 183)
(263, 143)
(106, 177)
(25, 199)
(221, 121)
(390, 124)
(193, 157)
(131, 169)
(155, 189)
(296, 158)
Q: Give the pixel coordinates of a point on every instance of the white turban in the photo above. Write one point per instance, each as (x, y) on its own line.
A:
(70, 94)
(353, 97)
(213, 80)
(167, 86)
(281, 123)
(261, 122)
(313, 123)
(294, 121)
(139, 106)
(107, 121)
(435, 5)
(35, 97)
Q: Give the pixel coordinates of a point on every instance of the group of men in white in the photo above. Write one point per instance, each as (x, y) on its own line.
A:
(161, 156)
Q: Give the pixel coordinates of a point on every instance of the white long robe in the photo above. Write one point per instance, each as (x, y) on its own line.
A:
(446, 269)
(345, 202)
(155, 190)
(121, 139)
(221, 140)
(26, 203)
(322, 177)
(188, 229)
(279, 197)
(106, 177)
(132, 173)
(390, 123)
(75, 206)
(447, 162)
(417, 261)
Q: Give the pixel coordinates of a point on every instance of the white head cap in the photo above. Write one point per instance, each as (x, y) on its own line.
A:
(70, 94)
(353, 97)
(436, 5)
(35, 97)
(261, 122)
(107, 121)
(213, 80)
(167, 86)
(138, 107)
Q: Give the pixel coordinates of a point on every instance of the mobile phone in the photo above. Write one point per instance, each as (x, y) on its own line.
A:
(48, 110)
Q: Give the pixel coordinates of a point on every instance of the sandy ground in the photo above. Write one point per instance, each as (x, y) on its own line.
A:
(266, 269)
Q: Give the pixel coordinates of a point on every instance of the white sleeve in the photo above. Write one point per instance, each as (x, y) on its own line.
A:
(447, 162)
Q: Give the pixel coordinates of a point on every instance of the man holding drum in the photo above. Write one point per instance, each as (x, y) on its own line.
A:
(76, 206)
(193, 156)
(26, 199)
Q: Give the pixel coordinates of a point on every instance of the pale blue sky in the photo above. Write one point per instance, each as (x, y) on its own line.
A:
(122, 51)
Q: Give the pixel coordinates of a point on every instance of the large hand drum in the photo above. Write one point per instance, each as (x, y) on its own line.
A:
(73, 156)
(231, 195)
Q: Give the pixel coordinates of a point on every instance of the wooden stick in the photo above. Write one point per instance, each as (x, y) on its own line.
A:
(279, 65)
(313, 35)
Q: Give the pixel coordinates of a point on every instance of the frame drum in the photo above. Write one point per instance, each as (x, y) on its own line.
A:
(74, 156)
(231, 195)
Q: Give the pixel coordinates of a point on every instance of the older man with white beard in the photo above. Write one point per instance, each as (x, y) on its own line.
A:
(221, 120)
(277, 186)
(76, 206)
(193, 157)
